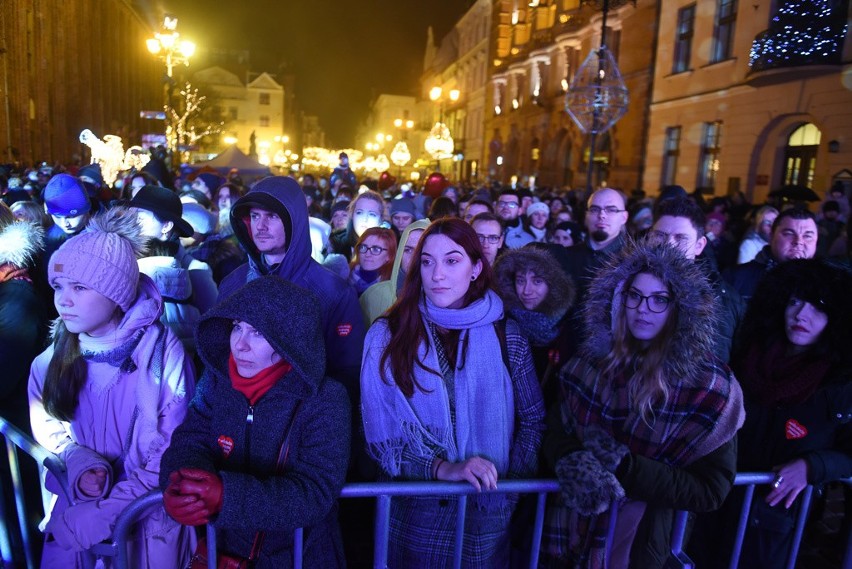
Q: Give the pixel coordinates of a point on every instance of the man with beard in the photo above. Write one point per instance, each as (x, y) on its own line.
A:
(606, 218)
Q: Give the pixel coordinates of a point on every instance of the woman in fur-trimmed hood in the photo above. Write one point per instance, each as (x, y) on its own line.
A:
(647, 414)
(23, 318)
(537, 294)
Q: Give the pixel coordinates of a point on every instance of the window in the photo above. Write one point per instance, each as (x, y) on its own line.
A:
(264, 120)
(264, 98)
(683, 39)
(723, 34)
(670, 154)
(708, 163)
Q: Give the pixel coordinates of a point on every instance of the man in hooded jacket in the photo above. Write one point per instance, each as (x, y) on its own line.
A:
(271, 224)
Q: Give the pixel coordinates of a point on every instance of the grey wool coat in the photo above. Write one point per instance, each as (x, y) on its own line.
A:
(216, 435)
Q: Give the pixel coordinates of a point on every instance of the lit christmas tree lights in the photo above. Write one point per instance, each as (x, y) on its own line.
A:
(802, 32)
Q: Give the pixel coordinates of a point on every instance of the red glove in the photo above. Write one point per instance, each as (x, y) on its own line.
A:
(206, 485)
(186, 509)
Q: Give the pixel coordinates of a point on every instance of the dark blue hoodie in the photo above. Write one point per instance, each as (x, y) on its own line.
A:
(342, 321)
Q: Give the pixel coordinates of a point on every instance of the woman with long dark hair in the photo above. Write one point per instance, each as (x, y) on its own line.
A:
(795, 366)
(449, 393)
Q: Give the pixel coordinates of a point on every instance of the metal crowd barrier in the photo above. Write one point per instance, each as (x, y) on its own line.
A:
(383, 492)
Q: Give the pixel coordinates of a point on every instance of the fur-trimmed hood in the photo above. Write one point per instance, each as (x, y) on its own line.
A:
(561, 293)
(20, 243)
(697, 305)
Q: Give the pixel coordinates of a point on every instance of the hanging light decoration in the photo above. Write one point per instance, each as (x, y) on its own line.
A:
(597, 98)
(439, 144)
(400, 154)
(382, 163)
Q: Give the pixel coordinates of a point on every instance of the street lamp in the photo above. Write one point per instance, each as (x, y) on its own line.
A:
(171, 50)
(400, 156)
(440, 142)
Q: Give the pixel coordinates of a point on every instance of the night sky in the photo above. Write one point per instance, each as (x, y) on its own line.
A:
(343, 53)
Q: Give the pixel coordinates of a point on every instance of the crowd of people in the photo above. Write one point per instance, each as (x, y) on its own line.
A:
(250, 346)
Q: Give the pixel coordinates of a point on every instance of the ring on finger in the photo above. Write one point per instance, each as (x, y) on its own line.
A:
(777, 482)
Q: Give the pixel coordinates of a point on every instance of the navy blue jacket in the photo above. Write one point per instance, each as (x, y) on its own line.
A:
(342, 322)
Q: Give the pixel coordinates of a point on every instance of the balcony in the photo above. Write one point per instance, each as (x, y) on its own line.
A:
(802, 38)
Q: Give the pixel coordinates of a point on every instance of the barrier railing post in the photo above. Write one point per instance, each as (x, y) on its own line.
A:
(382, 537)
(678, 536)
(804, 506)
(742, 522)
(461, 513)
(538, 529)
(20, 507)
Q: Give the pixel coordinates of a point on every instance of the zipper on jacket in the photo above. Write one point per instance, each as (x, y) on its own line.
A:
(249, 422)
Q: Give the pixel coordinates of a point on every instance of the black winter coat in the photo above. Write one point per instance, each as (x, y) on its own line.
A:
(222, 433)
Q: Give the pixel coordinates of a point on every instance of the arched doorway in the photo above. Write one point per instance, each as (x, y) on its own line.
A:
(800, 155)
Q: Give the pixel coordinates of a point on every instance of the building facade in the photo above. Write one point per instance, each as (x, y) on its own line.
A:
(537, 48)
(751, 97)
(253, 113)
(50, 97)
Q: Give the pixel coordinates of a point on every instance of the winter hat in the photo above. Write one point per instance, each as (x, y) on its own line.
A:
(65, 195)
(13, 196)
(14, 183)
(91, 174)
(211, 180)
(195, 196)
(715, 216)
(671, 192)
(103, 256)
(402, 205)
(537, 207)
(165, 204)
(340, 206)
(201, 220)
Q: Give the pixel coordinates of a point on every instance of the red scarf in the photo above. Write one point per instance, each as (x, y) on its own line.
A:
(256, 387)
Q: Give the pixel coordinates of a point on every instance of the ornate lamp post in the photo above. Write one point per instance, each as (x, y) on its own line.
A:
(172, 51)
(439, 144)
(597, 98)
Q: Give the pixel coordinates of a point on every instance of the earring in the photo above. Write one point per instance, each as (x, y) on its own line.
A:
(473, 277)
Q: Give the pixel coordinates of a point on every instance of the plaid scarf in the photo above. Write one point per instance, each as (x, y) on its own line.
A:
(698, 417)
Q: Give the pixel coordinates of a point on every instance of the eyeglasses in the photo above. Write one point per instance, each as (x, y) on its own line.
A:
(609, 210)
(510, 205)
(492, 239)
(373, 249)
(655, 302)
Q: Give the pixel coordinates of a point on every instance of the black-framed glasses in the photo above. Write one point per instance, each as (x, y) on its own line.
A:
(510, 205)
(492, 239)
(655, 302)
(609, 210)
(373, 249)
